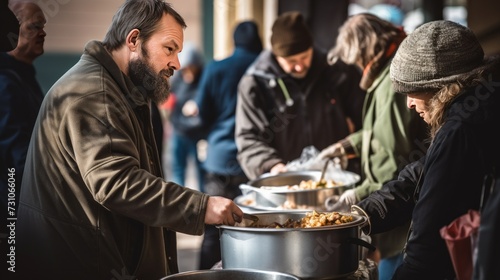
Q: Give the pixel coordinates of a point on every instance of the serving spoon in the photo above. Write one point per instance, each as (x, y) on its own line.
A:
(252, 218)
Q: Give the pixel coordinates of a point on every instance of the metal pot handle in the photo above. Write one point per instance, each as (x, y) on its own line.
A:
(361, 242)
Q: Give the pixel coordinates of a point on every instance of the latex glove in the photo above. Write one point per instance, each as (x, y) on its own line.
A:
(341, 162)
(335, 150)
(344, 202)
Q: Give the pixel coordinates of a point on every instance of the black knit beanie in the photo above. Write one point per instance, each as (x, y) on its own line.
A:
(290, 35)
(246, 35)
(434, 55)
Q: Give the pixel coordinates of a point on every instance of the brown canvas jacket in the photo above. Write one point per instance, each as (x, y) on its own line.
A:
(93, 202)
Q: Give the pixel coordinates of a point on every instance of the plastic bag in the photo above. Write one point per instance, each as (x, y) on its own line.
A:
(308, 160)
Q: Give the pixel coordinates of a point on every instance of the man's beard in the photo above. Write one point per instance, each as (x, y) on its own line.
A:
(152, 85)
(300, 75)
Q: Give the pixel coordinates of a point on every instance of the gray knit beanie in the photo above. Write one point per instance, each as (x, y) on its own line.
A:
(433, 55)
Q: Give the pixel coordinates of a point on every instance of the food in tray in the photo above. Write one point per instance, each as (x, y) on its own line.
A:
(248, 202)
(307, 185)
(311, 220)
(287, 205)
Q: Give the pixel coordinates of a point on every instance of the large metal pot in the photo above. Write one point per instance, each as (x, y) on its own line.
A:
(276, 196)
(327, 252)
(240, 274)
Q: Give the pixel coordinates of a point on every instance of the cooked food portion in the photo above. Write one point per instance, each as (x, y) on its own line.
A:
(318, 219)
(311, 219)
(307, 185)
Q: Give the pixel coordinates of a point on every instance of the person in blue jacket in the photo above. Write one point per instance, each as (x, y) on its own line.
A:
(182, 143)
(215, 108)
(20, 92)
(20, 99)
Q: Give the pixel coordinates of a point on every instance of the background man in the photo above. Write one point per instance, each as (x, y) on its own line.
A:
(291, 98)
(20, 100)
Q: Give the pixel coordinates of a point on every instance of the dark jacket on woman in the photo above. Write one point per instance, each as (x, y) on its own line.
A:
(450, 180)
(275, 121)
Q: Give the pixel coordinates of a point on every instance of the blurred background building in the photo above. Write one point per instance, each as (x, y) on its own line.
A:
(72, 23)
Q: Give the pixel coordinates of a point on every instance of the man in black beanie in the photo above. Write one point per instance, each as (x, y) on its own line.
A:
(291, 98)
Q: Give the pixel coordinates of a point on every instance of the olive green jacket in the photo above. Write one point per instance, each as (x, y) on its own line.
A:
(94, 204)
(392, 135)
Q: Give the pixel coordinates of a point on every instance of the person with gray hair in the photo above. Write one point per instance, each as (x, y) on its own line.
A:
(454, 87)
(392, 135)
(94, 204)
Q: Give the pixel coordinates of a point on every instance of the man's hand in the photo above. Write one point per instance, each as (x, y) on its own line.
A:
(344, 203)
(278, 168)
(222, 211)
(335, 150)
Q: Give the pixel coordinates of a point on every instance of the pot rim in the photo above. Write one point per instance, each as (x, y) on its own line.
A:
(359, 221)
(257, 208)
(308, 173)
(200, 272)
(283, 191)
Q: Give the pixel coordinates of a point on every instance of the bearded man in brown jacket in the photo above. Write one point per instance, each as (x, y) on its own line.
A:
(94, 204)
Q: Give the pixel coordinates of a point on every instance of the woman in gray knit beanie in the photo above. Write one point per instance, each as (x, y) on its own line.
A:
(442, 69)
(438, 60)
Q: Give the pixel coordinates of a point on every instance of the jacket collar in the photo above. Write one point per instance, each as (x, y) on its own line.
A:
(380, 77)
(97, 50)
